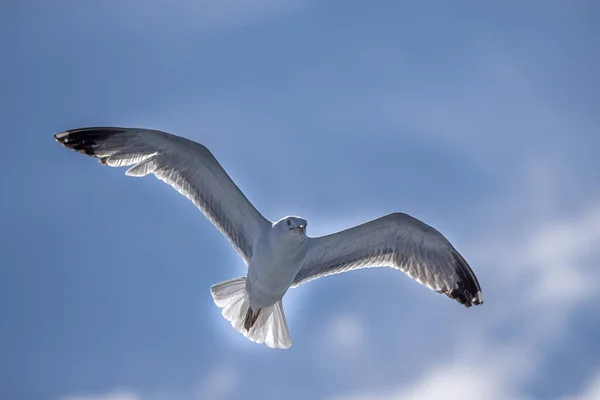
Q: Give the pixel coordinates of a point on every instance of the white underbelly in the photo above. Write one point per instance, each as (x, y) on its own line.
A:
(267, 283)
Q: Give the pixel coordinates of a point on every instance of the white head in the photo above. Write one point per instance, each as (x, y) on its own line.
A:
(293, 226)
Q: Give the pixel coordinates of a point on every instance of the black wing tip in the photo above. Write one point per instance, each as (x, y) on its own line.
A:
(83, 140)
(89, 131)
(61, 137)
(468, 292)
(465, 298)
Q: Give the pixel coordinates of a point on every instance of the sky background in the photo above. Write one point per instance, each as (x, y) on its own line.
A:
(477, 117)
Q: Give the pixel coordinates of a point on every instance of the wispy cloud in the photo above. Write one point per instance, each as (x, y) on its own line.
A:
(220, 383)
(117, 394)
(206, 14)
(548, 275)
(591, 392)
(489, 375)
(345, 332)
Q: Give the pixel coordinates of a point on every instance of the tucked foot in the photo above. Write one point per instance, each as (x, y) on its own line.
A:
(251, 318)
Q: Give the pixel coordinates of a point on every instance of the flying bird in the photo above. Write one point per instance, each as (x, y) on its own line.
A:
(279, 255)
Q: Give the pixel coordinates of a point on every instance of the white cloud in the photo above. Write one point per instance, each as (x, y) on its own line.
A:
(559, 250)
(451, 379)
(206, 14)
(592, 392)
(344, 332)
(117, 394)
(219, 383)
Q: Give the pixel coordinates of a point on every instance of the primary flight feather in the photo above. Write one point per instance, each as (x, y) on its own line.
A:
(279, 255)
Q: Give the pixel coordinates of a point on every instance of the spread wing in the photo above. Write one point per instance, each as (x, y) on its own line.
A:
(398, 241)
(187, 166)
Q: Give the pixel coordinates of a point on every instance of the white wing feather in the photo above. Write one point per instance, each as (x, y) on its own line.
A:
(398, 241)
(187, 166)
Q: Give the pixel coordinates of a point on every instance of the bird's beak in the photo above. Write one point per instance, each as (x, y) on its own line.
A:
(299, 228)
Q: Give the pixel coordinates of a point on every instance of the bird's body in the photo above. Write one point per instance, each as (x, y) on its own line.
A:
(276, 260)
(279, 255)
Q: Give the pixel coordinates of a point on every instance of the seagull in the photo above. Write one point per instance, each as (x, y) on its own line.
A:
(279, 255)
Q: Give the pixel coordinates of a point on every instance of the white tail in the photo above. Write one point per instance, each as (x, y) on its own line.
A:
(270, 327)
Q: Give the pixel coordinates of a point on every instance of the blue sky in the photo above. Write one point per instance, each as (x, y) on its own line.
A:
(480, 118)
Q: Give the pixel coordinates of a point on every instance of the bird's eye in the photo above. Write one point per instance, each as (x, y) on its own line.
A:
(288, 222)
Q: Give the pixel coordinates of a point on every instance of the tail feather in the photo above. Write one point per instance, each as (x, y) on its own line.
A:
(269, 327)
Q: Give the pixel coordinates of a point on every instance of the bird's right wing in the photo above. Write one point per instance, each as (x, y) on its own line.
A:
(187, 166)
(398, 241)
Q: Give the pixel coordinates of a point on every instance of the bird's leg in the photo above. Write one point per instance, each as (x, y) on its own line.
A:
(248, 319)
(251, 318)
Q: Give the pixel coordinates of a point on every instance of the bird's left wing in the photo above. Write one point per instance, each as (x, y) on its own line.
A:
(400, 241)
(187, 166)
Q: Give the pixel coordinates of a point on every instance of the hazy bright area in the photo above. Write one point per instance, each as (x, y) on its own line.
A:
(481, 118)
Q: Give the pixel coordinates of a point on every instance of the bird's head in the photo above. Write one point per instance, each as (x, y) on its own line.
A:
(295, 226)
